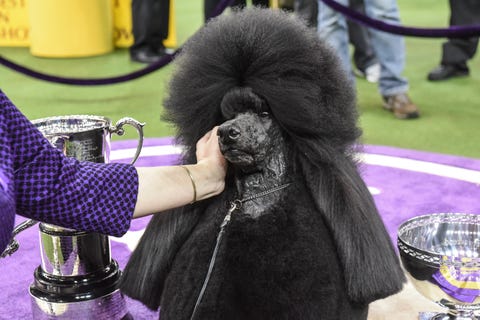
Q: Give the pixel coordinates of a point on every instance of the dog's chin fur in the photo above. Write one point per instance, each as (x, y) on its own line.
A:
(240, 158)
(322, 251)
(244, 162)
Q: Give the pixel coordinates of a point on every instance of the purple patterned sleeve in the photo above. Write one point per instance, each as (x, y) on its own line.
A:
(7, 207)
(7, 200)
(53, 188)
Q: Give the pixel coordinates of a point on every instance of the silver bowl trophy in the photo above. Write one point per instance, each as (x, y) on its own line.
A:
(77, 278)
(441, 255)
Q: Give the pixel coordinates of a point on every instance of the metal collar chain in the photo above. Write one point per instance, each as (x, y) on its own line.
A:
(237, 204)
(234, 205)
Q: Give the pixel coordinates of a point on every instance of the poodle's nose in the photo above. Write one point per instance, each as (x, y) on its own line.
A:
(228, 133)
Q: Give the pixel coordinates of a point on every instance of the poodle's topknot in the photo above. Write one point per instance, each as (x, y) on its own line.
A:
(240, 99)
(298, 76)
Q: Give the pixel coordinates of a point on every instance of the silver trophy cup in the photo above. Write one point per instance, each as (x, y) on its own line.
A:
(77, 278)
(441, 255)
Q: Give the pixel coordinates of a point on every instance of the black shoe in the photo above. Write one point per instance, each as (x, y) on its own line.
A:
(160, 51)
(145, 56)
(447, 71)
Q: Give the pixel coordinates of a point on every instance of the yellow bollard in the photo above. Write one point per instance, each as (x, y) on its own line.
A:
(171, 41)
(14, 24)
(70, 28)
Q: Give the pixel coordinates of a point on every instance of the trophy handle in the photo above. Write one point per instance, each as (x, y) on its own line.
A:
(13, 244)
(118, 129)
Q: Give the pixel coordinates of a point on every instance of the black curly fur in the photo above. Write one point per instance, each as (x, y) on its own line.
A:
(300, 79)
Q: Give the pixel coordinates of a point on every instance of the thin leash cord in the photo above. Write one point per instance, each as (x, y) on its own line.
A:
(226, 220)
(236, 204)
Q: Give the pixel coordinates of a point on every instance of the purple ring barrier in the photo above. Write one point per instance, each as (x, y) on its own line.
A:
(104, 81)
(451, 32)
(88, 82)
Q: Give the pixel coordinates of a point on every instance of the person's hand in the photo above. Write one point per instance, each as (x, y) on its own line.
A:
(165, 187)
(208, 149)
(210, 159)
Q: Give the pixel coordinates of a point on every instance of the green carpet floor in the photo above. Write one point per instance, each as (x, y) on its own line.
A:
(450, 111)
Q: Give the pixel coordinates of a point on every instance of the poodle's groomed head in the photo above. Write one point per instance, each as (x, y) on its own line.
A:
(279, 59)
(250, 135)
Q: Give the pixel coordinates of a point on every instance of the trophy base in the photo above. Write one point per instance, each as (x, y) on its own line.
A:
(111, 306)
(442, 316)
(433, 316)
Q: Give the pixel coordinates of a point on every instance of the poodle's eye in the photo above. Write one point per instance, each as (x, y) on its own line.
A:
(264, 114)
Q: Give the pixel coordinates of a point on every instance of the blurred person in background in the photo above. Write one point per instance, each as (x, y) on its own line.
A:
(457, 51)
(210, 5)
(150, 19)
(364, 61)
(389, 50)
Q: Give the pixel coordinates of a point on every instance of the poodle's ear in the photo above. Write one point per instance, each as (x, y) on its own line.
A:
(371, 267)
(144, 276)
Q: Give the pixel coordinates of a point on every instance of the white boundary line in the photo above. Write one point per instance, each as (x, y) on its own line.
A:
(146, 152)
(442, 170)
(131, 238)
(427, 167)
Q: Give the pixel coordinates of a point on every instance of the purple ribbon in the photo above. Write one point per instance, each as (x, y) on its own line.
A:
(460, 293)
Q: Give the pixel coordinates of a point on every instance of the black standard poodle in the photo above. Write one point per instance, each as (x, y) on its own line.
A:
(295, 234)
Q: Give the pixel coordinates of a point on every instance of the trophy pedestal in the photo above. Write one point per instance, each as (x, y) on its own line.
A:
(110, 306)
(77, 279)
(433, 316)
(442, 316)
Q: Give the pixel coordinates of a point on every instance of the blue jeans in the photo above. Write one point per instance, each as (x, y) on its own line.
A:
(389, 48)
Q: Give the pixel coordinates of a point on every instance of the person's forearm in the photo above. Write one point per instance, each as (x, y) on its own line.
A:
(163, 188)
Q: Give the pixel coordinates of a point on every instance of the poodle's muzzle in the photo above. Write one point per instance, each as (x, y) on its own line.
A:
(244, 140)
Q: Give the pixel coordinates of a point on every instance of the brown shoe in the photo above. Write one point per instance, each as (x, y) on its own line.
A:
(401, 106)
